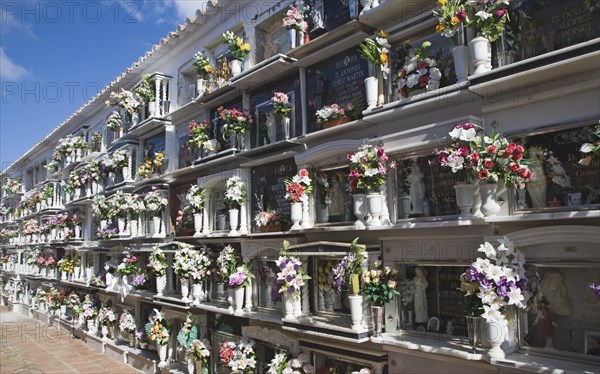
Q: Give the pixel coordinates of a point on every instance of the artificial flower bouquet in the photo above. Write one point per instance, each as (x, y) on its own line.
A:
(452, 16)
(420, 72)
(156, 328)
(201, 266)
(498, 280)
(281, 104)
(12, 186)
(379, 284)
(241, 277)
(226, 262)
(127, 322)
(492, 158)
(202, 66)
(128, 100)
(487, 18)
(149, 166)
(157, 263)
(284, 363)
(155, 203)
(195, 198)
(237, 47)
(368, 168)
(128, 266)
(324, 190)
(199, 133)
(107, 316)
(239, 357)
(376, 51)
(268, 217)
(114, 121)
(332, 112)
(294, 17)
(350, 268)
(592, 150)
(235, 192)
(184, 261)
(235, 120)
(199, 351)
(298, 186)
(291, 275)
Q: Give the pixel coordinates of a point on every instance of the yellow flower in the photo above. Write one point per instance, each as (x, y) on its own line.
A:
(245, 47)
(384, 58)
(239, 42)
(454, 21)
(442, 2)
(384, 34)
(440, 27)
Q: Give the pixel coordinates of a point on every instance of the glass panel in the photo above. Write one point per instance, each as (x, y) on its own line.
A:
(538, 27)
(328, 300)
(565, 313)
(269, 126)
(332, 364)
(268, 287)
(561, 180)
(334, 202)
(425, 188)
(433, 300)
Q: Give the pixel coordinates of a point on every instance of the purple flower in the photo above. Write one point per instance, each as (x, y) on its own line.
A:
(461, 14)
(595, 288)
(486, 283)
(472, 274)
(291, 289)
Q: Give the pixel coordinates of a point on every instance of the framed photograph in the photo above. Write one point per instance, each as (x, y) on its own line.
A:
(592, 343)
(433, 325)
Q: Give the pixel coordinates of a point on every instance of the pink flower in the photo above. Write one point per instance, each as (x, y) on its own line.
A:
(303, 173)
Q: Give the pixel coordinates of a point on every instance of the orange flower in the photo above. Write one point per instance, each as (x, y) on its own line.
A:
(440, 27)
(152, 338)
(454, 21)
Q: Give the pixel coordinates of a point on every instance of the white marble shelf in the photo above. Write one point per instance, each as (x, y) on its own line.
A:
(545, 216)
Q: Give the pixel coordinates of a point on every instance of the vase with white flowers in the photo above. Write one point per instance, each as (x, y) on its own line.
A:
(297, 189)
(157, 267)
(499, 281)
(205, 72)
(292, 277)
(238, 49)
(155, 204)
(195, 199)
(235, 199)
(183, 264)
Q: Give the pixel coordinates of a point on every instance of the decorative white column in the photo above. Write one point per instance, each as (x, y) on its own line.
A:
(385, 212)
(130, 165)
(306, 222)
(249, 305)
(169, 288)
(157, 108)
(304, 292)
(96, 262)
(205, 212)
(243, 219)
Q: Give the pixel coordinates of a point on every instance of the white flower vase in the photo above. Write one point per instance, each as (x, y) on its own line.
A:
(375, 208)
(185, 290)
(77, 232)
(63, 311)
(162, 354)
(366, 5)
(156, 224)
(322, 213)
(63, 275)
(236, 67)
(191, 366)
(233, 221)
(297, 306)
(126, 173)
(231, 299)
(91, 326)
(161, 283)
(293, 37)
(198, 293)
(460, 55)
(360, 210)
(200, 87)
(480, 54)
(296, 215)
(464, 200)
(76, 273)
(495, 333)
(489, 206)
(197, 225)
(104, 332)
(286, 127)
(239, 300)
(152, 109)
(356, 311)
(135, 119)
(133, 227)
(371, 84)
(288, 305)
(121, 225)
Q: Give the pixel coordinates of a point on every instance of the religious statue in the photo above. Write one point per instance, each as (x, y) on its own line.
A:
(546, 322)
(317, 14)
(555, 291)
(271, 127)
(420, 297)
(417, 189)
(537, 186)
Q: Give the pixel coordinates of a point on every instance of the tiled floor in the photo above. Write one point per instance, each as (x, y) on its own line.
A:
(29, 346)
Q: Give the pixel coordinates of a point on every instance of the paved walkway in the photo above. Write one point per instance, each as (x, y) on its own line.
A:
(29, 346)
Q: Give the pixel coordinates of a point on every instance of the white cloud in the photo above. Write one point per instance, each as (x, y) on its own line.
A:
(10, 24)
(187, 8)
(9, 70)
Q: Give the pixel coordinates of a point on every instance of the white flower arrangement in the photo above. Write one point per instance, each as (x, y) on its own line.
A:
(127, 322)
(235, 192)
(195, 197)
(155, 202)
(420, 72)
(185, 260)
(283, 363)
(212, 145)
(226, 262)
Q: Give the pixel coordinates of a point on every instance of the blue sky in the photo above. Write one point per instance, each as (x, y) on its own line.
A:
(56, 55)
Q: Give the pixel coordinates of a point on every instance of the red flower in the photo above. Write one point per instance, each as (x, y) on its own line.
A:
(463, 151)
(421, 64)
(423, 80)
(491, 149)
(474, 157)
(514, 166)
(303, 173)
(517, 156)
(524, 172)
(488, 164)
(499, 13)
(483, 174)
(519, 149)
